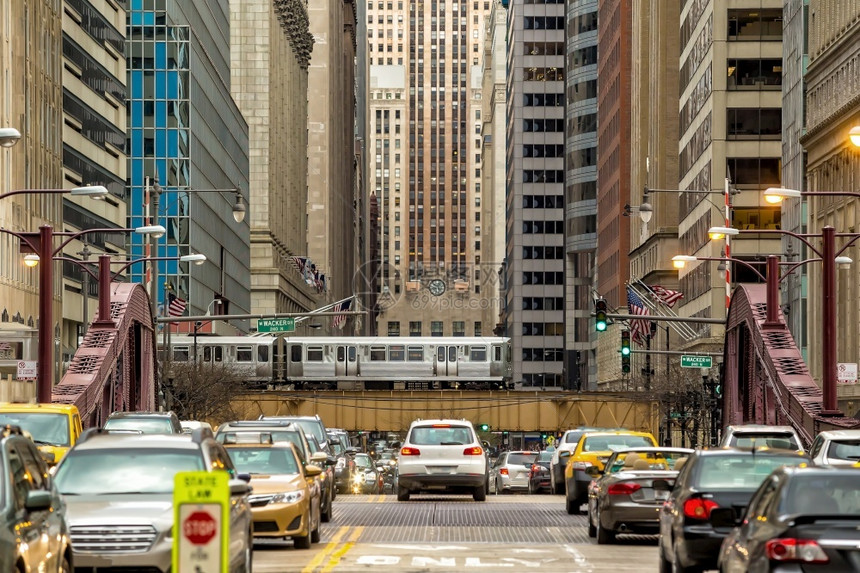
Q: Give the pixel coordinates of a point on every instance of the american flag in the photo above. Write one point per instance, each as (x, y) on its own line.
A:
(299, 263)
(639, 329)
(339, 320)
(669, 297)
(176, 306)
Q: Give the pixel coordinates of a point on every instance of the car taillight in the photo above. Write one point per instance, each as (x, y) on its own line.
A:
(699, 508)
(535, 468)
(503, 471)
(623, 488)
(475, 451)
(795, 550)
(407, 451)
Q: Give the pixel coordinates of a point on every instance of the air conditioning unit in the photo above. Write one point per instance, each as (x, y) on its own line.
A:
(461, 286)
(413, 286)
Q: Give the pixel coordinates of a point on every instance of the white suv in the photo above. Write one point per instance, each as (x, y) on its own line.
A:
(836, 448)
(442, 455)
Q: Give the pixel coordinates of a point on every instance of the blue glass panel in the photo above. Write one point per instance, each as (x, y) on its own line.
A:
(136, 5)
(136, 87)
(136, 170)
(173, 85)
(136, 137)
(161, 114)
(160, 55)
(172, 143)
(149, 18)
(136, 19)
(136, 114)
(160, 81)
(160, 143)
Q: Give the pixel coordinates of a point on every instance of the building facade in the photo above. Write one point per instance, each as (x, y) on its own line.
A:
(833, 164)
(580, 195)
(186, 131)
(535, 193)
(31, 101)
(94, 143)
(432, 273)
(331, 204)
(730, 118)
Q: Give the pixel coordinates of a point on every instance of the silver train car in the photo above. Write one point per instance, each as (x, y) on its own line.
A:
(354, 363)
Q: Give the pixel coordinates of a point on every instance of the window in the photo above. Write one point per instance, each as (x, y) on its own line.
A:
(436, 328)
(459, 328)
(244, 354)
(263, 354)
(414, 328)
(478, 353)
(477, 328)
(397, 353)
(377, 354)
(315, 354)
(393, 328)
(415, 354)
(296, 353)
(180, 354)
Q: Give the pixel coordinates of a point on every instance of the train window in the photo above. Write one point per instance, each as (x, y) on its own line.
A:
(296, 353)
(244, 354)
(207, 354)
(508, 354)
(440, 354)
(262, 354)
(478, 353)
(350, 352)
(452, 354)
(397, 353)
(415, 354)
(219, 353)
(180, 354)
(497, 353)
(377, 353)
(315, 353)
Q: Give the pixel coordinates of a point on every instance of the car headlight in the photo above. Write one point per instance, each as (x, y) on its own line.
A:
(288, 497)
(358, 478)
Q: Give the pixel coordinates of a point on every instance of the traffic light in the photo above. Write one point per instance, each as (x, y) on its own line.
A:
(718, 390)
(625, 351)
(484, 427)
(600, 315)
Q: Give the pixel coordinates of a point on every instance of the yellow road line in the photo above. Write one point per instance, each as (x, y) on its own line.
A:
(335, 558)
(321, 556)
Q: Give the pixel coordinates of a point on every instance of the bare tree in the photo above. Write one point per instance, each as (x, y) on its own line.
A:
(203, 391)
(687, 407)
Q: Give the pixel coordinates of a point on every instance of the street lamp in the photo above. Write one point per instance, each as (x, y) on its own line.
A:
(92, 191)
(42, 243)
(828, 256)
(9, 136)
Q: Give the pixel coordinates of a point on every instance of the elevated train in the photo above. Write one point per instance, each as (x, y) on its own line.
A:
(278, 362)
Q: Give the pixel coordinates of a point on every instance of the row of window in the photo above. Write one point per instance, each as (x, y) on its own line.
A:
(543, 355)
(543, 278)
(543, 100)
(543, 227)
(436, 328)
(543, 329)
(538, 150)
(543, 48)
(543, 74)
(543, 201)
(543, 23)
(543, 175)
(543, 125)
(543, 253)
(543, 303)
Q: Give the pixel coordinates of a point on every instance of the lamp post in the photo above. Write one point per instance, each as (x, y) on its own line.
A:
(85, 280)
(42, 243)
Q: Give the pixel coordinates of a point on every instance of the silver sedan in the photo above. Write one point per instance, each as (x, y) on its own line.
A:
(627, 496)
(511, 471)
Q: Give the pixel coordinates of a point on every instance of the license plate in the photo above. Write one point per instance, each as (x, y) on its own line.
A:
(440, 470)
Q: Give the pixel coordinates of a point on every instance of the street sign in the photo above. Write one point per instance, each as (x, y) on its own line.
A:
(276, 325)
(846, 373)
(696, 361)
(27, 369)
(201, 532)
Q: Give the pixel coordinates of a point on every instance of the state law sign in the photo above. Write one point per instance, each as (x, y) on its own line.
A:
(846, 373)
(201, 506)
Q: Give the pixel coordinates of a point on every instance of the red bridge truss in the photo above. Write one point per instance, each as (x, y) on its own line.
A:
(766, 380)
(114, 368)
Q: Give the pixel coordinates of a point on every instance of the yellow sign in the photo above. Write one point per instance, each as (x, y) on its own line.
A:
(201, 522)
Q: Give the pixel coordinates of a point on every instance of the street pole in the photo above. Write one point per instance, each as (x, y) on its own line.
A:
(155, 193)
(772, 299)
(45, 366)
(85, 256)
(828, 315)
(104, 320)
(648, 363)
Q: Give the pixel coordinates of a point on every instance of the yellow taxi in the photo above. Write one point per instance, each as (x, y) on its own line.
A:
(593, 450)
(54, 428)
(286, 496)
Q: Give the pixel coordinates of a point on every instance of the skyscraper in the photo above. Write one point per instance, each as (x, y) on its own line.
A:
(425, 166)
(535, 192)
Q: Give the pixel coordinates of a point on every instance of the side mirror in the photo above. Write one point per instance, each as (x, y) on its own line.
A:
(312, 470)
(661, 485)
(319, 458)
(593, 471)
(563, 456)
(239, 487)
(244, 477)
(331, 461)
(49, 457)
(37, 500)
(723, 517)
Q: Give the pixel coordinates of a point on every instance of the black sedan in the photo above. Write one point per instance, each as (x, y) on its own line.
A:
(711, 479)
(539, 476)
(799, 519)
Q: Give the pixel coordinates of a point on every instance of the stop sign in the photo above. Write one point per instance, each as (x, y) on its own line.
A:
(199, 528)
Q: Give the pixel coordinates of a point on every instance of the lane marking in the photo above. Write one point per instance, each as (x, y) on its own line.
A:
(335, 557)
(329, 547)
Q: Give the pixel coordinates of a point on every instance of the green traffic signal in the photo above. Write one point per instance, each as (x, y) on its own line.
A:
(484, 427)
(600, 320)
(625, 351)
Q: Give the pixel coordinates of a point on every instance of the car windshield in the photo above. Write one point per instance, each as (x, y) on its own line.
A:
(612, 443)
(144, 425)
(125, 470)
(337, 449)
(441, 435)
(572, 437)
(260, 437)
(311, 427)
(44, 428)
(778, 441)
(657, 460)
(739, 472)
(524, 459)
(363, 461)
(545, 456)
(263, 460)
(844, 450)
(814, 494)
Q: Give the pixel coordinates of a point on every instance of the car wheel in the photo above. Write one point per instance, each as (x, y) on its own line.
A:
(604, 536)
(531, 488)
(325, 516)
(480, 493)
(248, 561)
(665, 564)
(592, 531)
(678, 568)
(402, 493)
(315, 534)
